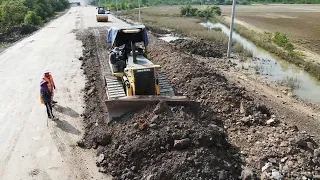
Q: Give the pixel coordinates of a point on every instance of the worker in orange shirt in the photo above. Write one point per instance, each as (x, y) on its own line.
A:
(48, 78)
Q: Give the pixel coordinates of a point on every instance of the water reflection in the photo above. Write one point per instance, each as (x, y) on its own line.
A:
(273, 68)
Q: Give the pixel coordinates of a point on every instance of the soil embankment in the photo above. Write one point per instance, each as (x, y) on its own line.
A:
(234, 134)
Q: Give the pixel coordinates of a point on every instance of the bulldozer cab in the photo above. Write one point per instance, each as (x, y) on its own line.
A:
(133, 39)
(101, 10)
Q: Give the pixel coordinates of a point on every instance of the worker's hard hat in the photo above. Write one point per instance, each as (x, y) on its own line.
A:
(46, 71)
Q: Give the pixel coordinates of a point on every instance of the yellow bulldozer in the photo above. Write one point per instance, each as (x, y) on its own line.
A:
(135, 81)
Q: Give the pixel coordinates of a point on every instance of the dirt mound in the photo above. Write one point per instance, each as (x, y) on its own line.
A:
(200, 47)
(268, 147)
(162, 142)
(233, 134)
(95, 112)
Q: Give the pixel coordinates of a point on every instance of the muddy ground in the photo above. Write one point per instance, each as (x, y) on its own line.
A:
(234, 134)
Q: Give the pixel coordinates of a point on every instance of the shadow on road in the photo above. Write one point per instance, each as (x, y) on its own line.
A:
(67, 127)
(66, 110)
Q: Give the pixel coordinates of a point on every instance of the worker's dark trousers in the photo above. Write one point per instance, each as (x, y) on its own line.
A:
(49, 109)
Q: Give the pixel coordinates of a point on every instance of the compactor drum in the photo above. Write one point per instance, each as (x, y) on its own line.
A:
(102, 14)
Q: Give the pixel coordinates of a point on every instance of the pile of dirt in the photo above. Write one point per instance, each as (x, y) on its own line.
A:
(233, 135)
(95, 113)
(269, 147)
(200, 47)
(163, 142)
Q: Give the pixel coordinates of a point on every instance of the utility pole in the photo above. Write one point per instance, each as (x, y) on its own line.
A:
(231, 28)
(117, 5)
(139, 12)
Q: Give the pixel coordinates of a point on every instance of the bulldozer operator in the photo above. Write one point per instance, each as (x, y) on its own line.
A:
(118, 61)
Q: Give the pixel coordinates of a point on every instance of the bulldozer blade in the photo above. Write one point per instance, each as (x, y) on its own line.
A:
(121, 106)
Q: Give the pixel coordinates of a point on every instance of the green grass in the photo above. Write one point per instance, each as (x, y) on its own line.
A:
(290, 82)
(186, 26)
(243, 53)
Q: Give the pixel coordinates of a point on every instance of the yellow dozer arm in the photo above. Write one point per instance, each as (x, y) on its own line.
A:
(121, 106)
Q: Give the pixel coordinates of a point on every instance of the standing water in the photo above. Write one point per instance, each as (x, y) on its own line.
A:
(274, 69)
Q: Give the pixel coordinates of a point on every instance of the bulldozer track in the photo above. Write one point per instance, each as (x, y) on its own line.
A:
(115, 88)
(165, 86)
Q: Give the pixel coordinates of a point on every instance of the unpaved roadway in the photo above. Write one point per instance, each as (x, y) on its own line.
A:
(28, 148)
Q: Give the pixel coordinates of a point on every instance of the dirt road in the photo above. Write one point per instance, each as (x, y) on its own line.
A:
(28, 148)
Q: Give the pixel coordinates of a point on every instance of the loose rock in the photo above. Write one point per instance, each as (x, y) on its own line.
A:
(247, 174)
(182, 144)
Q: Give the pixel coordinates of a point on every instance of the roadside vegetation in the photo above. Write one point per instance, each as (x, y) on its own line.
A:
(186, 22)
(280, 45)
(125, 4)
(18, 17)
(290, 82)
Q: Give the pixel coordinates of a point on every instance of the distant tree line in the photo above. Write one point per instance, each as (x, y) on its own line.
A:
(130, 4)
(27, 15)
(208, 12)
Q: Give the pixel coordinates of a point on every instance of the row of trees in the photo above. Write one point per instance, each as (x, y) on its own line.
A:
(27, 14)
(209, 12)
(122, 4)
(128, 4)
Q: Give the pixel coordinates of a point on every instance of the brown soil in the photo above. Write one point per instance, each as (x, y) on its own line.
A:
(235, 130)
(204, 48)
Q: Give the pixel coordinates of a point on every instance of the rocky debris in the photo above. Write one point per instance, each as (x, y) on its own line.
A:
(161, 107)
(102, 169)
(271, 122)
(100, 159)
(316, 152)
(266, 166)
(194, 146)
(276, 175)
(223, 175)
(91, 90)
(247, 174)
(303, 140)
(182, 144)
(81, 143)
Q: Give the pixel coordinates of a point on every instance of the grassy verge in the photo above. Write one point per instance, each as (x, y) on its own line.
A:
(291, 82)
(278, 45)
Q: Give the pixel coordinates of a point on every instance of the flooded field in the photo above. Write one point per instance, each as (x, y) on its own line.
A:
(273, 69)
(299, 22)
